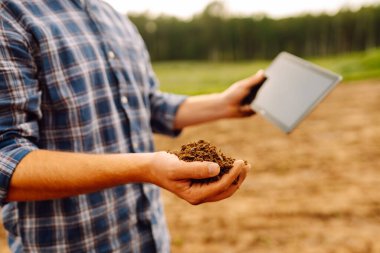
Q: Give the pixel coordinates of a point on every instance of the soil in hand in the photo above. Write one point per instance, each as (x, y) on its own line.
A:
(204, 151)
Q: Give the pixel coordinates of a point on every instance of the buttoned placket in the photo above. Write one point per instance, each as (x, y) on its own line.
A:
(112, 58)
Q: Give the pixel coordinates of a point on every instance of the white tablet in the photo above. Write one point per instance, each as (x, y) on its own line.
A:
(292, 89)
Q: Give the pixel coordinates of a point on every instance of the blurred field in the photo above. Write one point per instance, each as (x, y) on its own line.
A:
(204, 77)
(316, 190)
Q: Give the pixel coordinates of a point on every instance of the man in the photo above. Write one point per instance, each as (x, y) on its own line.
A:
(78, 104)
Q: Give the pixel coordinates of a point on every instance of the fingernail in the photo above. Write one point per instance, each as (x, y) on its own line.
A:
(213, 168)
(260, 72)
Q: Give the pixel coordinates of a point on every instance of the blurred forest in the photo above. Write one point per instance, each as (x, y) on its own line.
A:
(216, 35)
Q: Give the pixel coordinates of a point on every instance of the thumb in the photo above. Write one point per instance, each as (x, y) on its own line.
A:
(197, 170)
(255, 79)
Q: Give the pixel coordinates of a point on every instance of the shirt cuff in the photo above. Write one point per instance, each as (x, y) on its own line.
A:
(11, 153)
(163, 122)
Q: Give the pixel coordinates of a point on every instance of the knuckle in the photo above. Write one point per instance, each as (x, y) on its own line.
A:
(239, 163)
(197, 172)
(201, 171)
(191, 198)
(171, 173)
(194, 201)
(222, 189)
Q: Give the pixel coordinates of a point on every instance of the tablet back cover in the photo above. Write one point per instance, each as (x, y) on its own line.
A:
(292, 89)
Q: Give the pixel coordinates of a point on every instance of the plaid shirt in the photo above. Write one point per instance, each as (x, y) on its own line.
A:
(75, 76)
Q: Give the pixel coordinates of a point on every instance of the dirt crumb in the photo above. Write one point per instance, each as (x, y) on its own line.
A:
(204, 151)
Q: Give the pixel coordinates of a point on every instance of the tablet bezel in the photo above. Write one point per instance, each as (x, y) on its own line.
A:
(284, 56)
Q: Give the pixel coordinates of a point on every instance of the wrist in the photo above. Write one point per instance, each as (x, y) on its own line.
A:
(225, 108)
(151, 165)
(135, 167)
(161, 167)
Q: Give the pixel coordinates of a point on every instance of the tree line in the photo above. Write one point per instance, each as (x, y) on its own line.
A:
(216, 35)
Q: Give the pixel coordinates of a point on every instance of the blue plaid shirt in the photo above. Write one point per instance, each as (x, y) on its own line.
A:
(75, 76)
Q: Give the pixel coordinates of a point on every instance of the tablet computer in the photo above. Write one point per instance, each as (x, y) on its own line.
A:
(292, 89)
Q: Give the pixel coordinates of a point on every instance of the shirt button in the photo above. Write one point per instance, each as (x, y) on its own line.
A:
(124, 100)
(111, 55)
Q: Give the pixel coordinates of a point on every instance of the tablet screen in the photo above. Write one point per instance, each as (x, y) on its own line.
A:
(292, 89)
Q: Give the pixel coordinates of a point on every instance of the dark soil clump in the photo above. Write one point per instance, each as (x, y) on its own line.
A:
(204, 151)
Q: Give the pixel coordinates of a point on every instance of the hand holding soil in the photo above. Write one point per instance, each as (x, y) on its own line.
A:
(183, 178)
(205, 151)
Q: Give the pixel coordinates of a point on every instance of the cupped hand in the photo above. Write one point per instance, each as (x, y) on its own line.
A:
(175, 176)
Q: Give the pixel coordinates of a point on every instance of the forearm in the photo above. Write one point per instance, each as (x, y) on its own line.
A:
(200, 109)
(45, 175)
(228, 104)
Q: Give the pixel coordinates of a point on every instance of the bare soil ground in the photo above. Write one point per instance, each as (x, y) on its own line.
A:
(314, 191)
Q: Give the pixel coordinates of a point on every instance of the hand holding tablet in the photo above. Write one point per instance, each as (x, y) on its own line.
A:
(292, 89)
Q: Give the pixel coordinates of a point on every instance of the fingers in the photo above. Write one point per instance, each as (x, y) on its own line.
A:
(221, 189)
(196, 170)
(246, 110)
(232, 189)
(254, 80)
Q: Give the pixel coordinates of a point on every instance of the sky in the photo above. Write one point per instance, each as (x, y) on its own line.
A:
(274, 8)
